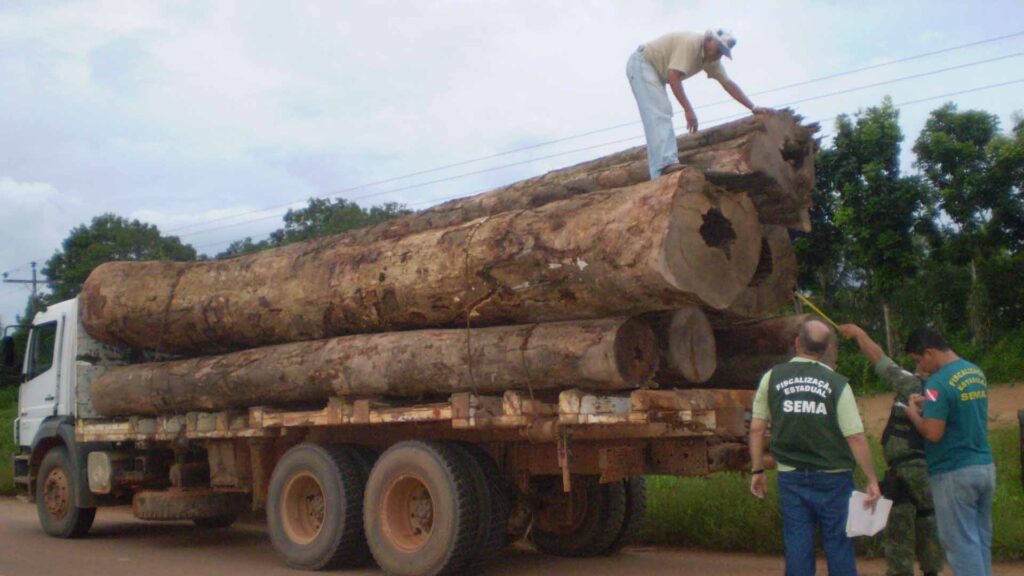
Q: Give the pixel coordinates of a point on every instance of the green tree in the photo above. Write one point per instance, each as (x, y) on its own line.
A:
(321, 217)
(879, 209)
(953, 152)
(106, 239)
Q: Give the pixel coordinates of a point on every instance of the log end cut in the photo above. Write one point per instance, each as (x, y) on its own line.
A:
(713, 246)
(636, 353)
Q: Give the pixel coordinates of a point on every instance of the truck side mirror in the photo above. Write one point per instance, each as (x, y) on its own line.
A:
(8, 351)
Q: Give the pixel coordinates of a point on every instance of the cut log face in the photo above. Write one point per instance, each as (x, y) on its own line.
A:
(654, 246)
(746, 352)
(686, 346)
(773, 283)
(606, 354)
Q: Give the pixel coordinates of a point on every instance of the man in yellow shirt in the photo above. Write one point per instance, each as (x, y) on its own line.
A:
(817, 439)
(671, 59)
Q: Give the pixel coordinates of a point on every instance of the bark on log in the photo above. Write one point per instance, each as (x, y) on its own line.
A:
(605, 354)
(686, 346)
(773, 283)
(769, 157)
(746, 352)
(655, 246)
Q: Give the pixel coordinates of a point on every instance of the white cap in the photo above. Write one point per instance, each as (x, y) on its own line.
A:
(725, 39)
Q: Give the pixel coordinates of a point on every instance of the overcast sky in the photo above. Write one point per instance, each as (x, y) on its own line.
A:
(200, 116)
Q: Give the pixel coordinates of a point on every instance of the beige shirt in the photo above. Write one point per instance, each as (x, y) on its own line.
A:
(682, 51)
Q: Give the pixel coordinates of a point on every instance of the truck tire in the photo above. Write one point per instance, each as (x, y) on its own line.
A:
(421, 510)
(636, 510)
(314, 507)
(598, 514)
(56, 492)
(495, 522)
(365, 457)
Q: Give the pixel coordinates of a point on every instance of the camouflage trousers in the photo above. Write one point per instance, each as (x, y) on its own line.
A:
(911, 530)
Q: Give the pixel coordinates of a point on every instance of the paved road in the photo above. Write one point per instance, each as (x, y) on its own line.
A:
(118, 544)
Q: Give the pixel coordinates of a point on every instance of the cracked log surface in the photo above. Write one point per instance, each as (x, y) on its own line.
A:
(770, 157)
(605, 354)
(746, 352)
(654, 246)
(686, 346)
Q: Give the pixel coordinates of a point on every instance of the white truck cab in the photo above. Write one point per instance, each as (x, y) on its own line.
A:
(48, 369)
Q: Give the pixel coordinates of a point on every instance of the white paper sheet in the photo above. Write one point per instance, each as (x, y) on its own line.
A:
(865, 521)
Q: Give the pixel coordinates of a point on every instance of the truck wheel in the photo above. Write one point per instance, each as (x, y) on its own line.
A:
(582, 523)
(493, 522)
(216, 522)
(314, 507)
(636, 510)
(420, 510)
(56, 490)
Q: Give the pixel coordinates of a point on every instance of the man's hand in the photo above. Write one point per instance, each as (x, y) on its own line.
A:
(759, 485)
(691, 121)
(849, 331)
(916, 404)
(874, 493)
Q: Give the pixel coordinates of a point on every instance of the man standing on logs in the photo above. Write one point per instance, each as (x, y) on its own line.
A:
(912, 520)
(817, 435)
(671, 59)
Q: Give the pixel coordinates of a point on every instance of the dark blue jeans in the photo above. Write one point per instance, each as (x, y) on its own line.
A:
(809, 500)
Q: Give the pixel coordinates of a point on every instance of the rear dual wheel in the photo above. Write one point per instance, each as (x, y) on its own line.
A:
(427, 509)
(593, 519)
(315, 507)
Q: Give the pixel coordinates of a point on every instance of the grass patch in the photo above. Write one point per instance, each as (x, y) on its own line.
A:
(718, 513)
(8, 409)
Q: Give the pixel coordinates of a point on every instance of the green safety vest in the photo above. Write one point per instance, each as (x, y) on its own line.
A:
(803, 398)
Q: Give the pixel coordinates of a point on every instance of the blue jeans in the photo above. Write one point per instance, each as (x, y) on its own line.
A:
(655, 113)
(809, 500)
(963, 510)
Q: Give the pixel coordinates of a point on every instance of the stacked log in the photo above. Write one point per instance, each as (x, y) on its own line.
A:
(591, 276)
(606, 354)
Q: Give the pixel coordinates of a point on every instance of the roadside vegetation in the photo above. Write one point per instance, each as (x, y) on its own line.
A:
(8, 409)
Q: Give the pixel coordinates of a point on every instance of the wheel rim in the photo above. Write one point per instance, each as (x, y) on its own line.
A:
(303, 508)
(407, 513)
(555, 516)
(55, 493)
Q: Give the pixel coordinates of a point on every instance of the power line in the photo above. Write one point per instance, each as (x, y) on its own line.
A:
(617, 141)
(609, 128)
(897, 105)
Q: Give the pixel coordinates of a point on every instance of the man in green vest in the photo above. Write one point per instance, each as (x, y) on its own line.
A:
(952, 415)
(911, 525)
(817, 436)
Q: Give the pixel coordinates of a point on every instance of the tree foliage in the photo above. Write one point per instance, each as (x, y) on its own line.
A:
(319, 218)
(106, 239)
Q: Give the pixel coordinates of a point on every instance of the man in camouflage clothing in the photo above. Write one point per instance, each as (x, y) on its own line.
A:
(912, 520)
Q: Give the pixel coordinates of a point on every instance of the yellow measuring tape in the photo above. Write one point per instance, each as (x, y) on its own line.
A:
(817, 310)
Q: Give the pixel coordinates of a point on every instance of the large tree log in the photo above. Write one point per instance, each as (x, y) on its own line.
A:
(686, 346)
(773, 283)
(768, 156)
(605, 354)
(746, 352)
(655, 246)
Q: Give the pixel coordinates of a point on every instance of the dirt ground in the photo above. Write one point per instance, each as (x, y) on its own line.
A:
(1003, 403)
(119, 544)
